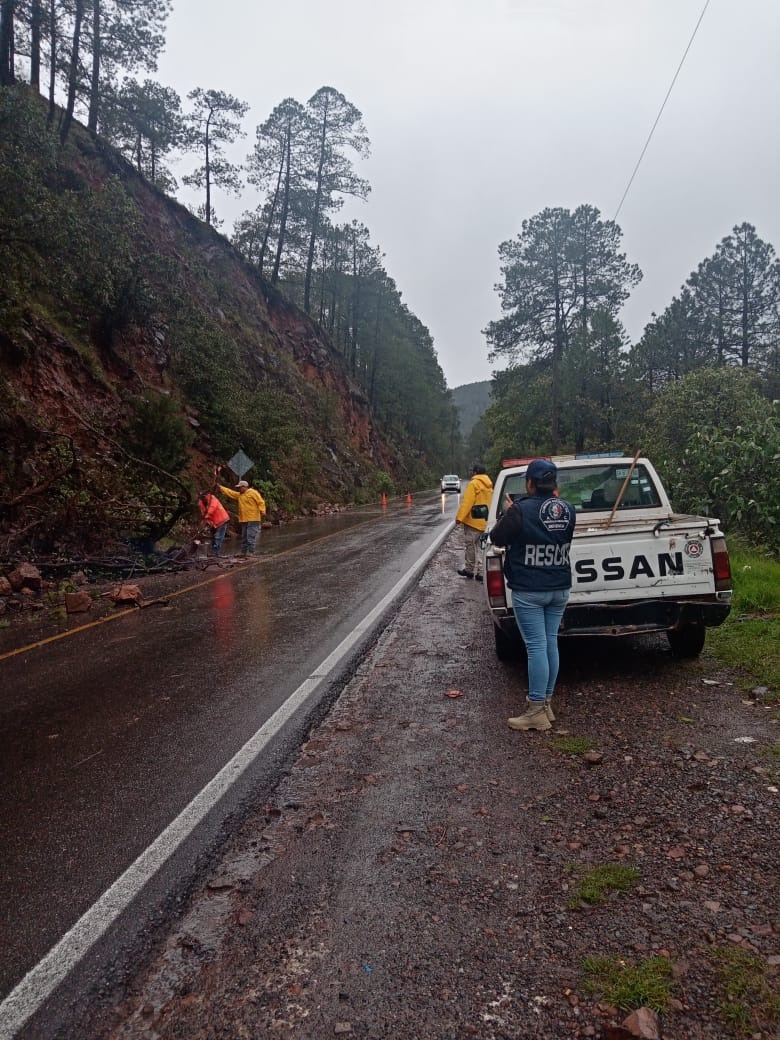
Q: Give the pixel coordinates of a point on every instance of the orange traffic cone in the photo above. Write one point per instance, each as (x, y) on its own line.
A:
(408, 498)
(384, 500)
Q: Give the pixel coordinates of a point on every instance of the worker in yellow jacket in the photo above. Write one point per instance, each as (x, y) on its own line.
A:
(251, 510)
(472, 514)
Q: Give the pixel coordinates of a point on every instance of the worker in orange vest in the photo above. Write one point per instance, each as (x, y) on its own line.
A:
(215, 517)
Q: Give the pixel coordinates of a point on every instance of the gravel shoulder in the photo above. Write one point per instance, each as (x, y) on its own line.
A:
(416, 873)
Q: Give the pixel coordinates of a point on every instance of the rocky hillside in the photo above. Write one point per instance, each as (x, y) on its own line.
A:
(137, 350)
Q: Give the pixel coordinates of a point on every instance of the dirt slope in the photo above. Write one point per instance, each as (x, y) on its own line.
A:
(137, 349)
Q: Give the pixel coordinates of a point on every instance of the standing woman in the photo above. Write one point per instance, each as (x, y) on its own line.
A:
(537, 531)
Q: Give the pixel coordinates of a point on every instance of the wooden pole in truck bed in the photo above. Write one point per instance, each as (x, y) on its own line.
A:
(619, 499)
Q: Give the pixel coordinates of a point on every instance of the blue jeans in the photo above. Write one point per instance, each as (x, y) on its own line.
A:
(218, 537)
(249, 532)
(538, 615)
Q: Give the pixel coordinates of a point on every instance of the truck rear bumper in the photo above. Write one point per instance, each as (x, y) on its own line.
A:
(611, 619)
(654, 616)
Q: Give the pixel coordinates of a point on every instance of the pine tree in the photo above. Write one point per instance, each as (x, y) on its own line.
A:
(755, 285)
(213, 123)
(336, 126)
(127, 36)
(7, 76)
(145, 121)
(73, 69)
(556, 273)
(726, 313)
(278, 165)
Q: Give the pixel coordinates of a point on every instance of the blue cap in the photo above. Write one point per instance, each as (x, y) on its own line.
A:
(542, 471)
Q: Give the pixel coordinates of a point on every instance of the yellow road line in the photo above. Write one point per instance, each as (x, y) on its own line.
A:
(172, 595)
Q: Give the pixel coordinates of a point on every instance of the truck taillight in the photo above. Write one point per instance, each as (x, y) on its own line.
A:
(494, 575)
(721, 565)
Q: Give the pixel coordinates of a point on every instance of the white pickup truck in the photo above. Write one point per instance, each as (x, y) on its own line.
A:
(637, 566)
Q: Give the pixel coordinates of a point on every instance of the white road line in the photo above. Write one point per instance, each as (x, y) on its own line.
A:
(40, 982)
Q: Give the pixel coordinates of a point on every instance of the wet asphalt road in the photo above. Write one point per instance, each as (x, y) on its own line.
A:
(107, 734)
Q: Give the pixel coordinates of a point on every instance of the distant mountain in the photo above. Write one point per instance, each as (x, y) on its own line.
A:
(471, 400)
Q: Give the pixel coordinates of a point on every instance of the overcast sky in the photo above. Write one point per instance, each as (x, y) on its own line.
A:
(483, 112)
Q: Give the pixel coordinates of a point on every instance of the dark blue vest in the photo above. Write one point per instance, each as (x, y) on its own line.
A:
(539, 559)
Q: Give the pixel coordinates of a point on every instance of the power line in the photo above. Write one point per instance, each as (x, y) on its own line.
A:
(660, 110)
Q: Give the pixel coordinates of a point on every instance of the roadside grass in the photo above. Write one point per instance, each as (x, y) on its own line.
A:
(572, 745)
(748, 998)
(628, 986)
(596, 885)
(749, 639)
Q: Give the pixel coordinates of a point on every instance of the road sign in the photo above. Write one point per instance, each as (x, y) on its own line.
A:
(240, 463)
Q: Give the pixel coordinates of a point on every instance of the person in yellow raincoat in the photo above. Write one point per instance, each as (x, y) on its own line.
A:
(472, 514)
(251, 510)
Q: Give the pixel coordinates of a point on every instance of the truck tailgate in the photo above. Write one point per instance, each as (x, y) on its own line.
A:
(628, 560)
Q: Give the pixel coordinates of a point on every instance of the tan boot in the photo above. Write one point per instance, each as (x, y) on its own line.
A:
(548, 709)
(534, 718)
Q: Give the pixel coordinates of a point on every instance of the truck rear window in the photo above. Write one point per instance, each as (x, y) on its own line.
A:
(596, 487)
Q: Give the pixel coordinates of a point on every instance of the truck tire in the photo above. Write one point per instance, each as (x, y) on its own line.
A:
(508, 648)
(687, 641)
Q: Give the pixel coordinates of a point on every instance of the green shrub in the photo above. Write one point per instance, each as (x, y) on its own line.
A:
(157, 433)
(275, 495)
(743, 472)
(729, 465)
(383, 482)
(129, 302)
